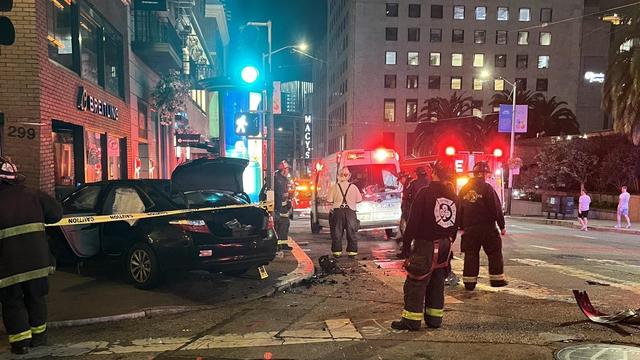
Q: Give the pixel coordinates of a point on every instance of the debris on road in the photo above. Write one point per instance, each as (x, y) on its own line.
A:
(629, 316)
(591, 282)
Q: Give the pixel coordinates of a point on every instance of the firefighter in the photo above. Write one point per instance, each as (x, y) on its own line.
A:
(344, 196)
(282, 205)
(408, 195)
(25, 260)
(431, 229)
(480, 210)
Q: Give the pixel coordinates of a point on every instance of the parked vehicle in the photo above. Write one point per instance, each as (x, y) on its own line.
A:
(374, 172)
(302, 198)
(227, 240)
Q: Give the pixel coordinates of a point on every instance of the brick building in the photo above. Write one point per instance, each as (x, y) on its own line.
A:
(75, 88)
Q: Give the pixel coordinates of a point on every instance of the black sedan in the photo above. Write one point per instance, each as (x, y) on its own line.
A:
(227, 240)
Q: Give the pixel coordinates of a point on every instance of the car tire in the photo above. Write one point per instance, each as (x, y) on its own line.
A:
(315, 227)
(142, 267)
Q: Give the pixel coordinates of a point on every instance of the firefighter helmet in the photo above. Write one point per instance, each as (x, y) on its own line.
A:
(283, 165)
(9, 171)
(443, 169)
(481, 168)
(420, 170)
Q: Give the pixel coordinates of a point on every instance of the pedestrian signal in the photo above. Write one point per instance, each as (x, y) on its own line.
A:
(247, 124)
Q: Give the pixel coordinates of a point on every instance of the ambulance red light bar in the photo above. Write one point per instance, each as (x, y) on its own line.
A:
(356, 155)
(497, 152)
(319, 166)
(381, 155)
(450, 151)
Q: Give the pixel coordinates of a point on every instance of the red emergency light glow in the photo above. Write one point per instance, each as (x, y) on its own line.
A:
(497, 152)
(319, 166)
(450, 151)
(355, 156)
(383, 154)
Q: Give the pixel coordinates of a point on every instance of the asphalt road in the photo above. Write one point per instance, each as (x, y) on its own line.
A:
(347, 316)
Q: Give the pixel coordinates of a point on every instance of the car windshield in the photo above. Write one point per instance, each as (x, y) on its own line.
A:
(375, 178)
(206, 198)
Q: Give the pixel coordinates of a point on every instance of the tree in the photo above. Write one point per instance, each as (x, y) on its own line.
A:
(565, 164)
(621, 92)
(170, 96)
(439, 108)
(581, 164)
(621, 166)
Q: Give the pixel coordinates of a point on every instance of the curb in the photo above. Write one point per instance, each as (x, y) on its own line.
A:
(571, 224)
(303, 271)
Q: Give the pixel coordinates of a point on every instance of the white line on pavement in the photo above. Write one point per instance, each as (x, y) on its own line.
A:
(544, 247)
(521, 227)
(585, 237)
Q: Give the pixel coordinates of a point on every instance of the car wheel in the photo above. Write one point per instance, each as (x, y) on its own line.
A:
(236, 272)
(315, 227)
(142, 267)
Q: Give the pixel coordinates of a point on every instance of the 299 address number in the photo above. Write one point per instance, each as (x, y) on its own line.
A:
(21, 132)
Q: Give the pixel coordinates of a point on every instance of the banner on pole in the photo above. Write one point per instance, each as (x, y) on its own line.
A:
(277, 98)
(504, 118)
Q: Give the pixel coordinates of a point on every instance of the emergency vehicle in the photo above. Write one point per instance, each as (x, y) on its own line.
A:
(301, 197)
(375, 173)
(464, 162)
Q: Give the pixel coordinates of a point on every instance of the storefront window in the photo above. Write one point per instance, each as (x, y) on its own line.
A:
(89, 38)
(93, 157)
(113, 61)
(143, 121)
(59, 32)
(113, 158)
(63, 158)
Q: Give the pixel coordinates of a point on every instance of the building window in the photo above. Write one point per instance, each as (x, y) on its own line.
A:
(436, 35)
(456, 59)
(392, 10)
(89, 47)
(498, 84)
(481, 13)
(477, 84)
(390, 57)
(434, 59)
(113, 58)
(414, 10)
(521, 83)
(389, 110)
(543, 62)
(524, 15)
(522, 61)
(458, 12)
(59, 33)
(501, 60)
(501, 37)
(390, 81)
(412, 110)
(413, 34)
(113, 158)
(503, 14)
(478, 60)
(93, 157)
(456, 83)
(523, 38)
(412, 81)
(480, 36)
(411, 140)
(143, 121)
(412, 58)
(545, 38)
(457, 36)
(545, 15)
(436, 11)
(391, 34)
(434, 82)
(542, 84)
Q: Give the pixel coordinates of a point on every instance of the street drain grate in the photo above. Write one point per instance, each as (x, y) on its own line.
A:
(598, 351)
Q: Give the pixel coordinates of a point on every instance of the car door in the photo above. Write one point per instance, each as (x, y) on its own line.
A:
(121, 199)
(84, 240)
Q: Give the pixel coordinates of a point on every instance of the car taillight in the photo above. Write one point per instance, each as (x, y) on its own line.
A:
(196, 226)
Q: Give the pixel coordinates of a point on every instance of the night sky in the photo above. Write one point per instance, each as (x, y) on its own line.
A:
(293, 21)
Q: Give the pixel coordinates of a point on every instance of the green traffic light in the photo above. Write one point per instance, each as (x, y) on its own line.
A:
(249, 74)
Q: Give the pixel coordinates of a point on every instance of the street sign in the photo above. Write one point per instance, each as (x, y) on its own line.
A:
(150, 5)
(504, 118)
(187, 139)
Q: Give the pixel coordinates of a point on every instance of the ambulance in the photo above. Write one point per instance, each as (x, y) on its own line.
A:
(375, 173)
(463, 163)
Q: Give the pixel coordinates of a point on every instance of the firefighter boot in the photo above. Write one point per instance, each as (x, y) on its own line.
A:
(20, 347)
(405, 325)
(498, 280)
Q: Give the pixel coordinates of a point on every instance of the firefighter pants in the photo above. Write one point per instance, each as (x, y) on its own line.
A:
(424, 299)
(487, 238)
(24, 309)
(282, 228)
(344, 220)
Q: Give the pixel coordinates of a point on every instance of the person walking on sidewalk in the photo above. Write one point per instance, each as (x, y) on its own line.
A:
(344, 196)
(25, 260)
(431, 229)
(583, 209)
(480, 210)
(623, 207)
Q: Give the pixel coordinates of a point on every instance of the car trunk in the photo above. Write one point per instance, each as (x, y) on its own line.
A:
(244, 223)
(222, 174)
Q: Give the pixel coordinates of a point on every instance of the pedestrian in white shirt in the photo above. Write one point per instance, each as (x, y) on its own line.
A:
(583, 209)
(344, 196)
(623, 207)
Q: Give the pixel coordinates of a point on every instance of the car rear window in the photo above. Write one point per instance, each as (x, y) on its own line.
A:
(205, 198)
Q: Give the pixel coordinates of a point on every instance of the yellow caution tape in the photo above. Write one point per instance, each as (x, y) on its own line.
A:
(95, 219)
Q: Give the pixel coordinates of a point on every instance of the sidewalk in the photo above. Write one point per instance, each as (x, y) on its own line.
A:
(595, 224)
(100, 294)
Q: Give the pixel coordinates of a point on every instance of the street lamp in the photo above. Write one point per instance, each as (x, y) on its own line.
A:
(485, 74)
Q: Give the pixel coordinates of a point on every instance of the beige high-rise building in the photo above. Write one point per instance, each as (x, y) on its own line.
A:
(386, 57)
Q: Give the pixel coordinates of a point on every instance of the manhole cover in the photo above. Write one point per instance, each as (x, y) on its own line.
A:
(599, 352)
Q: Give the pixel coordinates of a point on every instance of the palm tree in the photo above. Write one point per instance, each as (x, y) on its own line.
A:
(439, 108)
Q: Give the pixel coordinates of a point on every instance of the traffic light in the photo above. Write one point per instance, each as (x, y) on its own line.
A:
(7, 31)
(249, 74)
(247, 124)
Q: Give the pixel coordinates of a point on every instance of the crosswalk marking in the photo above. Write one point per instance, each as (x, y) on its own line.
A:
(585, 237)
(544, 247)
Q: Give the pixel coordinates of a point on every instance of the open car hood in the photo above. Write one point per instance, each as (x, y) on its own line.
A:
(222, 173)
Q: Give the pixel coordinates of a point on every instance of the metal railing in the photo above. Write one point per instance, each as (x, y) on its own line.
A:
(149, 28)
